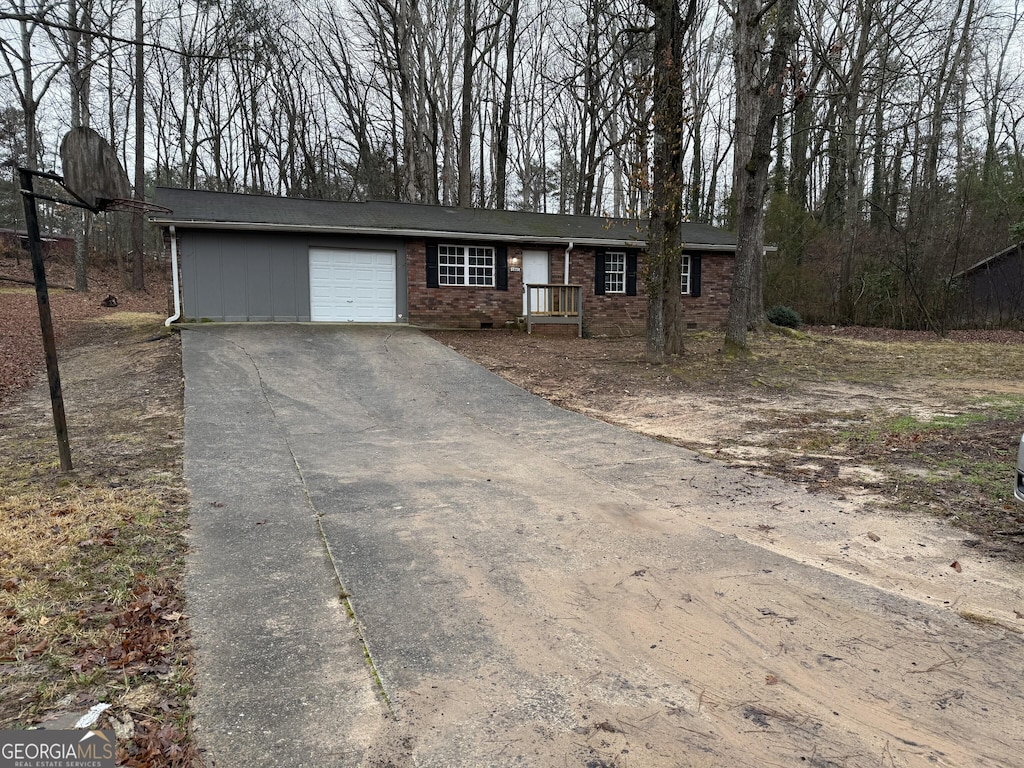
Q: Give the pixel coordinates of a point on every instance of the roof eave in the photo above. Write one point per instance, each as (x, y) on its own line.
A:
(1008, 251)
(395, 232)
(249, 226)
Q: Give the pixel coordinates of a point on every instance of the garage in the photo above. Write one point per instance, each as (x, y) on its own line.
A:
(352, 286)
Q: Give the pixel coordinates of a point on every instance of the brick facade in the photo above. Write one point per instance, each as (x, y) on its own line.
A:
(460, 306)
(613, 314)
(608, 315)
(711, 308)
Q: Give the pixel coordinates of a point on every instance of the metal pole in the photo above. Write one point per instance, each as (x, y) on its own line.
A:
(60, 423)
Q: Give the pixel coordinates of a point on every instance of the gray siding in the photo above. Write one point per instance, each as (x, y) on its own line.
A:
(233, 276)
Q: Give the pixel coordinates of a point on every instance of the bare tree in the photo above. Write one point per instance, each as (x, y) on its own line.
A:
(760, 86)
(501, 150)
(664, 314)
(79, 44)
(706, 109)
(138, 224)
(30, 76)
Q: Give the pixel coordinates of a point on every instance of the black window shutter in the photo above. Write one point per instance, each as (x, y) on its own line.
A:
(432, 281)
(501, 268)
(695, 275)
(599, 265)
(631, 274)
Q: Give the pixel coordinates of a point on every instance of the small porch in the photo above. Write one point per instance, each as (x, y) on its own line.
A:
(554, 304)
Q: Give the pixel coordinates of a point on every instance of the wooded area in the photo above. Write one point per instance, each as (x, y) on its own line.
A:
(896, 160)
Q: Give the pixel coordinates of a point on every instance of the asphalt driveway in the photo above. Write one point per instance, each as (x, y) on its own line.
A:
(401, 559)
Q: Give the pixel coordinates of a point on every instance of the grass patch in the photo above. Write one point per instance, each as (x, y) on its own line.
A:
(909, 425)
(956, 465)
(128, 320)
(81, 558)
(90, 606)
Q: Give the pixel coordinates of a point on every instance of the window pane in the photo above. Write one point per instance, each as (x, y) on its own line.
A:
(451, 263)
(465, 265)
(615, 273)
(481, 266)
(684, 277)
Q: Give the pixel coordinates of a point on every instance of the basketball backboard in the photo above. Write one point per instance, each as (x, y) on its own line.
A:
(91, 169)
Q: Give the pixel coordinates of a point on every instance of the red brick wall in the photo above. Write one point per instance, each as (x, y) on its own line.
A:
(460, 306)
(619, 315)
(711, 308)
(609, 315)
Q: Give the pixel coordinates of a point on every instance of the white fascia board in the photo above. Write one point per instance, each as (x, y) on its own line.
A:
(709, 247)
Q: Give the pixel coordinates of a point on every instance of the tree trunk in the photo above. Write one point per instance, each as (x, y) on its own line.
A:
(799, 143)
(748, 42)
(29, 105)
(505, 115)
(79, 40)
(759, 98)
(853, 186)
(878, 206)
(407, 97)
(466, 113)
(664, 246)
(696, 170)
(138, 221)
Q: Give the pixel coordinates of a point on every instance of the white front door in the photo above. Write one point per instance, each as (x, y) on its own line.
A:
(535, 271)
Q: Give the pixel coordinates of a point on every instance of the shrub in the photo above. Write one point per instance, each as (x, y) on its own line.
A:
(787, 317)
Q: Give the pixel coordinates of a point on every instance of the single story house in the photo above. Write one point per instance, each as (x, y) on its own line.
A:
(15, 241)
(994, 289)
(262, 258)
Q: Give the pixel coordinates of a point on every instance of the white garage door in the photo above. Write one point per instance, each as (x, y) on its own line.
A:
(347, 286)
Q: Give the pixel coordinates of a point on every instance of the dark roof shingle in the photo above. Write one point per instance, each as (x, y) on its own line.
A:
(238, 211)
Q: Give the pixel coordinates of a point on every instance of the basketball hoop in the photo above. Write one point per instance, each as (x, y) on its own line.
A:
(92, 171)
(127, 204)
(95, 178)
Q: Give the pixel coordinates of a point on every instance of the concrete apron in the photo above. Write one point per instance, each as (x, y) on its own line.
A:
(537, 588)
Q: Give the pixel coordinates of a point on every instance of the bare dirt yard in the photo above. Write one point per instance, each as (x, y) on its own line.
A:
(918, 435)
(897, 420)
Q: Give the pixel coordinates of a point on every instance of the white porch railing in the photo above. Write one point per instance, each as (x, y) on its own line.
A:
(554, 304)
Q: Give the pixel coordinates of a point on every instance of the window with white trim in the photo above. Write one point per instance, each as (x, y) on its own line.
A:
(684, 276)
(465, 265)
(615, 272)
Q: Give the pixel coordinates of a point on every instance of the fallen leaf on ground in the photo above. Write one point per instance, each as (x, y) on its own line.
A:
(38, 649)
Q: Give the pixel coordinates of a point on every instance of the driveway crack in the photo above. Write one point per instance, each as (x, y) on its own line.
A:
(343, 594)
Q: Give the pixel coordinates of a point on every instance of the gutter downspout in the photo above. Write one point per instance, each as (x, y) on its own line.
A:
(565, 280)
(174, 279)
